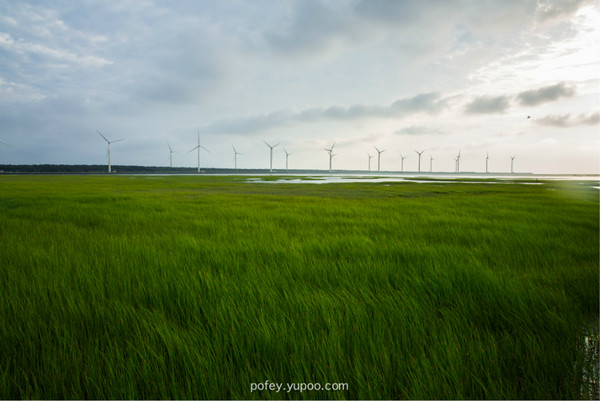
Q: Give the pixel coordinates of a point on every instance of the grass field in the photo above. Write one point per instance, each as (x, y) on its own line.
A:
(197, 287)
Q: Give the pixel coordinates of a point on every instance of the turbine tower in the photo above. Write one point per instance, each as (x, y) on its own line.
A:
(271, 153)
(458, 162)
(286, 157)
(330, 151)
(370, 157)
(198, 147)
(108, 151)
(379, 152)
(430, 163)
(403, 157)
(235, 153)
(487, 158)
(512, 160)
(419, 153)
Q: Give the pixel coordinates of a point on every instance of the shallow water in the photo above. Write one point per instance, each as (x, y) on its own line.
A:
(438, 179)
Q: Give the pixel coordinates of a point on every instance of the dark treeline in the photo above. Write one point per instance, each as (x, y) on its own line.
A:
(86, 169)
(119, 169)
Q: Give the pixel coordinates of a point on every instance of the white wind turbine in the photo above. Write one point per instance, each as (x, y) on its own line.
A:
(108, 151)
(198, 147)
(379, 152)
(430, 163)
(330, 151)
(271, 154)
(170, 155)
(370, 157)
(487, 158)
(287, 155)
(235, 153)
(419, 153)
(512, 160)
(458, 162)
(403, 157)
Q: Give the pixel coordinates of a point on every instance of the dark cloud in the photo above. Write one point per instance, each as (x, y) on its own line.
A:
(314, 27)
(429, 103)
(592, 119)
(551, 9)
(488, 105)
(565, 120)
(546, 94)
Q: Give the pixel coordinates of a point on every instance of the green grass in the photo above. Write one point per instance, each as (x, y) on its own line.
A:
(195, 287)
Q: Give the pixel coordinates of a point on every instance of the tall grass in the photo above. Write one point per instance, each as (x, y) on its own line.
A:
(196, 287)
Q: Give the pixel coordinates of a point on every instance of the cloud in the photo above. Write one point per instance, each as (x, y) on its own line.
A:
(552, 9)
(565, 120)
(488, 105)
(419, 130)
(30, 49)
(428, 103)
(546, 94)
(314, 28)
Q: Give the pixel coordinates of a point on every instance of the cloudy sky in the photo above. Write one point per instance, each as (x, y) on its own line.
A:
(441, 76)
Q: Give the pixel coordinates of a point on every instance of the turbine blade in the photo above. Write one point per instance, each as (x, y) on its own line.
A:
(169, 147)
(192, 149)
(7, 144)
(103, 136)
(118, 140)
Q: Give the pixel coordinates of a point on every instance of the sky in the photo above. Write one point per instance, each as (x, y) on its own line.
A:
(495, 78)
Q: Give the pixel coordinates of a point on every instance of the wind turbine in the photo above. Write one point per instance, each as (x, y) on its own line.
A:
(198, 147)
(430, 163)
(286, 157)
(235, 153)
(419, 153)
(271, 162)
(458, 162)
(512, 159)
(379, 152)
(403, 157)
(330, 151)
(370, 157)
(108, 152)
(170, 155)
(487, 157)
